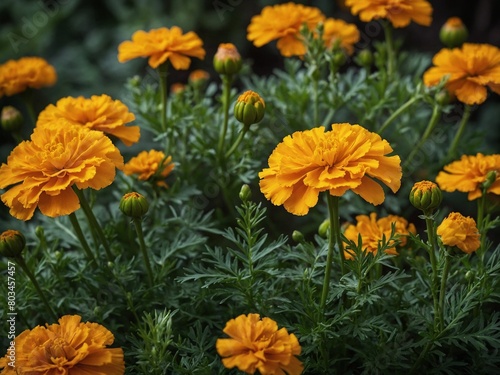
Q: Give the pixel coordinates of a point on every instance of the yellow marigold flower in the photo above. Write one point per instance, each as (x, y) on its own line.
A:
(283, 22)
(97, 113)
(256, 344)
(70, 347)
(399, 12)
(45, 168)
(346, 158)
(469, 173)
(17, 75)
(342, 33)
(470, 69)
(460, 231)
(372, 232)
(161, 45)
(150, 165)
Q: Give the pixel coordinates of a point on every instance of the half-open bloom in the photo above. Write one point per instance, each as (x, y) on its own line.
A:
(340, 33)
(470, 70)
(70, 347)
(283, 22)
(373, 231)
(348, 157)
(44, 169)
(150, 165)
(18, 75)
(256, 344)
(99, 112)
(161, 45)
(399, 12)
(468, 174)
(460, 231)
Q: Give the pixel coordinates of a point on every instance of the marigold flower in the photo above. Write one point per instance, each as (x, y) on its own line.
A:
(227, 59)
(27, 72)
(470, 69)
(469, 173)
(150, 165)
(453, 33)
(346, 158)
(342, 33)
(373, 230)
(44, 169)
(256, 344)
(399, 12)
(97, 113)
(70, 347)
(460, 231)
(161, 45)
(283, 22)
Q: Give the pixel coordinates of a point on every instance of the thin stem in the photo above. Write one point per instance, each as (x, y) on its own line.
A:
(442, 291)
(227, 80)
(460, 131)
(140, 236)
(434, 279)
(315, 98)
(391, 57)
(398, 112)
(237, 142)
(163, 73)
(481, 227)
(93, 221)
(20, 260)
(81, 236)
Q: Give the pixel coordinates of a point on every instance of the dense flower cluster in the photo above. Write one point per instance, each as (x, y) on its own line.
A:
(70, 347)
(256, 344)
(27, 72)
(460, 231)
(348, 157)
(150, 165)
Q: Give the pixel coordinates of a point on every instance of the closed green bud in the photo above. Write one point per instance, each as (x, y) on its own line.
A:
(12, 119)
(491, 177)
(249, 108)
(453, 33)
(297, 236)
(227, 59)
(245, 193)
(364, 58)
(12, 243)
(324, 228)
(443, 97)
(134, 205)
(426, 196)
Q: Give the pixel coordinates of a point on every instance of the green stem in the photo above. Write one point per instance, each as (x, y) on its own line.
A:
(315, 98)
(163, 73)
(237, 142)
(442, 290)
(398, 112)
(140, 236)
(93, 221)
(20, 260)
(436, 114)
(481, 204)
(391, 57)
(460, 131)
(227, 80)
(434, 279)
(81, 237)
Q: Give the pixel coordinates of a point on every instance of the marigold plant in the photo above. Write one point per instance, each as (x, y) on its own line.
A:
(99, 112)
(150, 165)
(460, 231)
(348, 157)
(338, 32)
(70, 347)
(470, 70)
(283, 22)
(27, 72)
(399, 12)
(161, 45)
(44, 169)
(256, 344)
(469, 173)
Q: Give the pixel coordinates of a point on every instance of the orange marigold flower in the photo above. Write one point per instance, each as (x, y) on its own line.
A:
(282, 22)
(460, 231)
(161, 45)
(70, 347)
(17, 75)
(342, 33)
(256, 344)
(470, 69)
(45, 169)
(468, 174)
(373, 231)
(97, 113)
(346, 158)
(399, 12)
(150, 165)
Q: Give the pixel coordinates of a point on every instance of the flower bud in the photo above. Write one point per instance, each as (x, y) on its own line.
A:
(198, 78)
(364, 58)
(425, 195)
(443, 97)
(12, 119)
(227, 59)
(12, 243)
(324, 227)
(491, 177)
(134, 205)
(453, 33)
(245, 193)
(249, 108)
(297, 236)
(177, 88)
